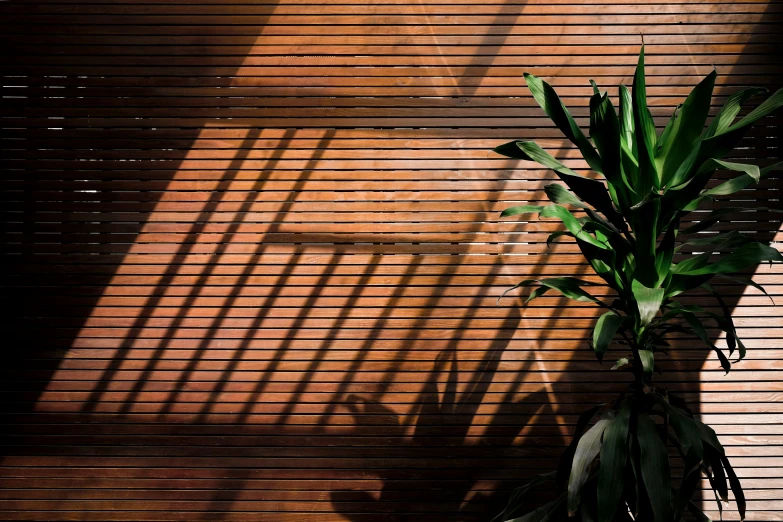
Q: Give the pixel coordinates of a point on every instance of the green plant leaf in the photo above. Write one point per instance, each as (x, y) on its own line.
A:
(526, 282)
(648, 301)
(732, 339)
(749, 169)
(560, 195)
(588, 190)
(664, 140)
(572, 224)
(522, 209)
(724, 240)
(548, 99)
(518, 496)
(697, 513)
(730, 109)
(626, 121)
(698, 328)
(715, 216)
(747, 282)
(686, 130)
(614, 455)
(622, 361)
(566, 461)
(736, 487)
(664, 254)
(605, 329)
(678, 284)
(568, 286)
(708, 435)
(722, 142)
(766, 107)
(644, 222)
(605, 132)
(554, 235)
(687, 192)
(734, 185)
(689, 438)
(647, 359)
(718, 478)
(645, 132)
(685, 427)
(750, 255)
(684, 495)
(586, 450)
(655, 468)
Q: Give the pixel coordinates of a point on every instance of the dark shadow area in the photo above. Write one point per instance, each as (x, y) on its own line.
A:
(81, 75)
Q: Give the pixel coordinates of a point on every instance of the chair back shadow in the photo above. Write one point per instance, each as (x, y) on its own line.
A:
(249, 311)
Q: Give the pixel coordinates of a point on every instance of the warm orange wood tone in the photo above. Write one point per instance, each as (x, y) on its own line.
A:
(252, 253)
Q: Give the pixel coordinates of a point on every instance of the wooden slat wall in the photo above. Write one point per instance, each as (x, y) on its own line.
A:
(252, 253)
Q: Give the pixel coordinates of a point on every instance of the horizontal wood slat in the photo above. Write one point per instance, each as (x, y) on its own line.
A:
(253, 253)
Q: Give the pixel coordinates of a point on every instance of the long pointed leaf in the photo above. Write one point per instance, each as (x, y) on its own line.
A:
(588, 190)
(626, 120)
(687, 129)
(698, 328)
(732, 339)
(605, 131)
(648, 301)
(572, 224)
(560, 195)
(730, 109)
(614, 454)
(734, 185)
(736, 487)
(718, 479)
(715, 216)
(586, 451)
(647, 359)
(548, 99)
(566, 460)
(709, 436)
(605, 329)
(570, 287)
(644, 221)
(522, 209)
(518, 497)
(655, 468)
(644, 131)
(718, 145)
(697, 513)
(664, 254)
(747, 282)
(750, 255)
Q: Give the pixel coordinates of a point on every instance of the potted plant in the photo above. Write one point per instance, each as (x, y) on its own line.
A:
(628, 226)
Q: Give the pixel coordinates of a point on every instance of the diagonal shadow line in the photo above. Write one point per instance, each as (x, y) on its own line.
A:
(323, 348)
(191, 299)
(235, 289)
(271, 298)
(170, 273)
(278, 357)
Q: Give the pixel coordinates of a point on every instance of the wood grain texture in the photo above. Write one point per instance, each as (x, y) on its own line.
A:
(252, 252)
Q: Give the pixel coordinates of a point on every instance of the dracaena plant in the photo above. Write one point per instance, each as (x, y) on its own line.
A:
(630, 228)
